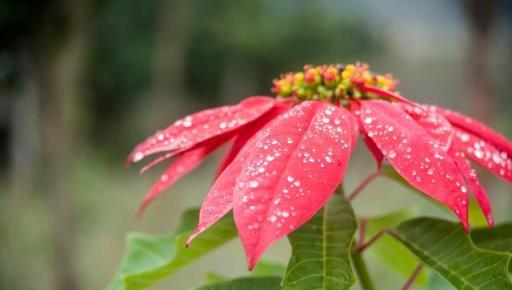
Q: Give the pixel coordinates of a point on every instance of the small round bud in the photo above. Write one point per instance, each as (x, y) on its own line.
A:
(312, 76)
(331, 76)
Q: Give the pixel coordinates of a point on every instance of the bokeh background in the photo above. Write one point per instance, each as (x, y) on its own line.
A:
(82, 81)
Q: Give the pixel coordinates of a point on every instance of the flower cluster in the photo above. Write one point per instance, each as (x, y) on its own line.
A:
(289, 154)
(332, 82)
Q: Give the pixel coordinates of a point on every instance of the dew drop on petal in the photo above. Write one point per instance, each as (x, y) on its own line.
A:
(187, 123)
(496, 158)
(138, 156)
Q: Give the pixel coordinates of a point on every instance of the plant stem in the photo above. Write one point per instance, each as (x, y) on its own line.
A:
(363, 184)
(362, 232)
(370, 242)
(361, 270)
(412, 278)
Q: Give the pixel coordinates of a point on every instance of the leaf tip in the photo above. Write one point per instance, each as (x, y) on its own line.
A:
(490, 220)
(194, 235)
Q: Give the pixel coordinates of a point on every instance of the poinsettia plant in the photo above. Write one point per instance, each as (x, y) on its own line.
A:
(283, 176)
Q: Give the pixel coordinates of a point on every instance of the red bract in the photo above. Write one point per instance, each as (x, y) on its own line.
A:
(290, 154)
(295, 165)
(202, 126)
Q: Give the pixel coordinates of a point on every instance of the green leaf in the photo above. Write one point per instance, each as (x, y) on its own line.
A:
(436, 282)
(498, 239)
(321, 248)
(388, 250)
(149, 259)
(445, 247)
(247, 283)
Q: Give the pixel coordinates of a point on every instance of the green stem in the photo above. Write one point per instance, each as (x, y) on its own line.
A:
(361, 270)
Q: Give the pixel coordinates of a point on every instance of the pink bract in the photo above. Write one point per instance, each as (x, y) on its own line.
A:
(289, 156)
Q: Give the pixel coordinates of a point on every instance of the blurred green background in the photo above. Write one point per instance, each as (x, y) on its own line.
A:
(82, 81)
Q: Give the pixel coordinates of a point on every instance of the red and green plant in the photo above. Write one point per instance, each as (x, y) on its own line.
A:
(283, 176)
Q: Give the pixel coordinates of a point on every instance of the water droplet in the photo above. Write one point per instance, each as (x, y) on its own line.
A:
(138, 156)
(269, 158)
(253, 184)
(479, 154)
(463, 189)
(187, 123)
(273, 218)
(290, 178)
(296, 183)
(464, 137)
(392, 154)
(496, 158)
(368, 120)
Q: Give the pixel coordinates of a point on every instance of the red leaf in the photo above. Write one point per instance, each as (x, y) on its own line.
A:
(384, 94)
(249, 131)
(485, 154)
(202, 126)
(478, 129)
(416, 155)
(374, 150)
(219, 200)
(433, 122)
(476, 188)
(293, 168)
(186, 162)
